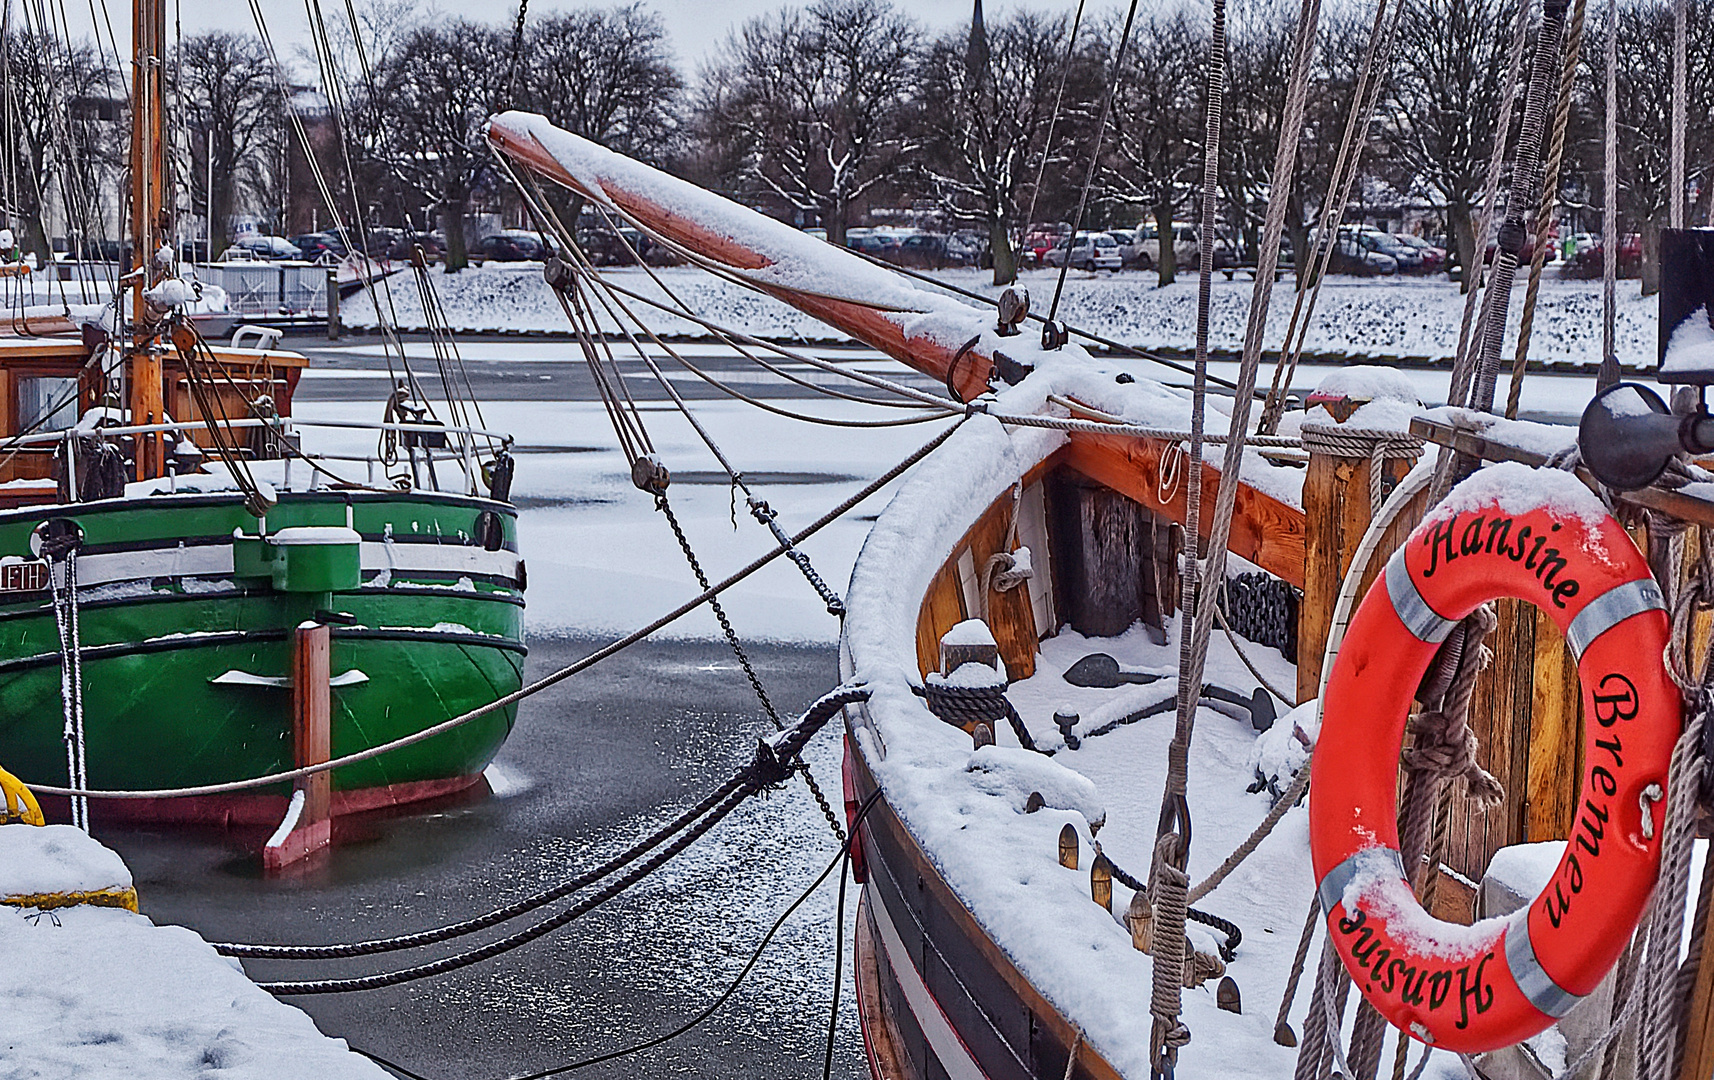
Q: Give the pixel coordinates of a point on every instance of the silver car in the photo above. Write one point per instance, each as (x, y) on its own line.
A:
(1089, 251)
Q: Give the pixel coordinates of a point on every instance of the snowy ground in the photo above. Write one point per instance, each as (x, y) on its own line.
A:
(1416, 317)
(95, 992)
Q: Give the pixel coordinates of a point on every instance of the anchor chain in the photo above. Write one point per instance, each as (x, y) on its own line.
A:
(800, 766)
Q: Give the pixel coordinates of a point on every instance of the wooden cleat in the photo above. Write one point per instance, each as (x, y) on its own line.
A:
(1068, 847)
(982, 736)
(1101, 881)
(1140, 919)
(1284, 1035)
(1227, 997)
(1034, 802)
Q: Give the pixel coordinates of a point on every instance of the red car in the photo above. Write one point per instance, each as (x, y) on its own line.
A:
(1588, 263)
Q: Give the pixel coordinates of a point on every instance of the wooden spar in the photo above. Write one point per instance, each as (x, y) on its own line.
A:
(148, 199)
(867, 324)
(1264, 530)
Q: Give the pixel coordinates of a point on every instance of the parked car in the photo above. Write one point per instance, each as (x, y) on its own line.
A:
(968, 247)
(923, 250)
(1588, 262)
(1039, 240)
(1350, 255)
(872, 242)
(1186, 246)
(1406, 259)
(509, 245)
(273, 248)
(321, 246)
(1432, 255)
(1087, 251)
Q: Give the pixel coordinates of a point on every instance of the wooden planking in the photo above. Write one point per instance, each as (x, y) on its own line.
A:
(1336, 505)
(942, 609)
(888, 843)
(1265, 530)
(1555, 759)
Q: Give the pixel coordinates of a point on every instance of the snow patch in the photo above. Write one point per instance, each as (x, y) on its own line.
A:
(56, 859)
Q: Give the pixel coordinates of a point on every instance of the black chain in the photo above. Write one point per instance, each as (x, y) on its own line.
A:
(517, 51)
(1263, 609)
(1234, 936)
(802, 767)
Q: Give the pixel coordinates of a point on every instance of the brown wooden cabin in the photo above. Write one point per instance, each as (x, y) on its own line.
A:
(36, 372)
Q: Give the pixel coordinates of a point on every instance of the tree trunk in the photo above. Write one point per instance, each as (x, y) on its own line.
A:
(833, 220)
(1650, 269)
(36, 239)
(452, 221)
(1000, 246)
(1463, 228)
(1167, 264)
(1300, 239)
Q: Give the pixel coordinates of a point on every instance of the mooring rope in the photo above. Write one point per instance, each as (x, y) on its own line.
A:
(610, 649)
(773, 764)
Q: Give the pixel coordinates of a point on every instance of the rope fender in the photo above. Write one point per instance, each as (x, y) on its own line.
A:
(1472, 989)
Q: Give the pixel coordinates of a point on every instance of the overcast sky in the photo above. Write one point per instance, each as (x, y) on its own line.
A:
(696, 26)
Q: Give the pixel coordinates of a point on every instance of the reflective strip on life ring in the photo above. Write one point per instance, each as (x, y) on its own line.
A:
(1476, 988)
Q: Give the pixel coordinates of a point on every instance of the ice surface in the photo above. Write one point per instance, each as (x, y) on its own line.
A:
(56, 859)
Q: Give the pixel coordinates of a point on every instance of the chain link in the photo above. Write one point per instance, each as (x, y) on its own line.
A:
(802, 767)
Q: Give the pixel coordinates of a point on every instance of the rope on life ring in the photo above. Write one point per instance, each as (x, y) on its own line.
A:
(1537, 536)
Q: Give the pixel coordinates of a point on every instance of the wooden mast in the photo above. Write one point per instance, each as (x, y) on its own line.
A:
(148, 224)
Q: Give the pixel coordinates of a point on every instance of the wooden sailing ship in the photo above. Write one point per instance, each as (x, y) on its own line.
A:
(980, 951)
(208, 531)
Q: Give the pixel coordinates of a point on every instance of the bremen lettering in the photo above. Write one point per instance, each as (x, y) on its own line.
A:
(1413, 984)
(1448, 540)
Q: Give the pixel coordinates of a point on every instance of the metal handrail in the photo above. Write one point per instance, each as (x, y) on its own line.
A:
(282, 422)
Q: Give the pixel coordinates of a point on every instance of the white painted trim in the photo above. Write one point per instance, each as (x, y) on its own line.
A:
(942, 1037)
(215, 560)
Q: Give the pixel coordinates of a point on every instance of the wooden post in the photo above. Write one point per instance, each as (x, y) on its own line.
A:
(1068, 847)
(1101, 882)
(307, 827)
(333, 327)
(1336, 514)
(1697, 1053)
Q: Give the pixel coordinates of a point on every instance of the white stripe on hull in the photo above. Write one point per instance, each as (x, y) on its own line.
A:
(943, 1040)
(215, 560)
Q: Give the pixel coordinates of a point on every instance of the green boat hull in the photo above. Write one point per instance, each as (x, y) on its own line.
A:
(185, 665)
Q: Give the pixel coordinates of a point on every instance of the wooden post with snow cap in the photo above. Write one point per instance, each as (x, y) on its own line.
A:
(1355, 415)
(307, 827)
(970, 642)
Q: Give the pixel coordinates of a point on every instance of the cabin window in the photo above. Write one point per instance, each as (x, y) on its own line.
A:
(47, 402)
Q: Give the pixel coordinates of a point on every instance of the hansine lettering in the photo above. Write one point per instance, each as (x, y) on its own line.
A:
(1446, 541)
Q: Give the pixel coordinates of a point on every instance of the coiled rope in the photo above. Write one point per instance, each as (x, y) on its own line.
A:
(1378, 445)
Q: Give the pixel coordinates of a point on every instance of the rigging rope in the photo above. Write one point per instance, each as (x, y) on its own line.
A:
(612, 647)
(60, 548)
(1609, 373)
(1052, 121)
(1549, 203)
(1359, 118)
(1520, 199)
(1196, 618)
(773, 764)
(1469, 328)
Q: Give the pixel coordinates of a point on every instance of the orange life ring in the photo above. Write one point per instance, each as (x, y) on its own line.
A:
(1476, 988)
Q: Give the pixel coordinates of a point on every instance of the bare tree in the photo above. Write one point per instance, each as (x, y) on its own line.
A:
(811, 104)
(1157, 126)
(609, 76)
(984, 106)
(1260, 44)
(445, 81)
(227, 85)
(1449, 78)
(56, 148)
